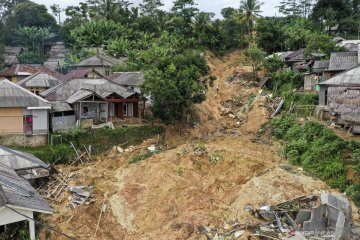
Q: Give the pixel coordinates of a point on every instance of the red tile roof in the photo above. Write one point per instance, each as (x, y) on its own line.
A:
(80, 73)
(28, 68)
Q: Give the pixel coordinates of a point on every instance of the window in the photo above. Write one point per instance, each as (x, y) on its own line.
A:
(69, 113)
(125, 110)
(326, 97)
(28, 124)
(57, 114)
(107, 72)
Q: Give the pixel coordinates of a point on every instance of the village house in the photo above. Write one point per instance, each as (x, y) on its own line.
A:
(19, 200)
(316, 75)
(39, 82)
(98, 100)
(21, 111)
(55, 55)
(340, 62)
(349, 45)
(294, 58)
(82, 73)
(130, 80)
(102, 63)
(11, 55)
(20, 71)
(340, 96)
(25, 165)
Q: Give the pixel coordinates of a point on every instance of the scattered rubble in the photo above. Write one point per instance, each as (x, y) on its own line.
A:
(323, 217)
(80, 195)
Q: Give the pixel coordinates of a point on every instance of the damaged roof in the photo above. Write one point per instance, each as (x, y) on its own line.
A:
(27, 70)
(13, 95)
(341, 61)
(348, 78)
(39, 80)
(60, 106)
(295, 56)
(135, 79)
(18, 160)
(80, 73)
(99, 60)
(66, 89)
(17, 192)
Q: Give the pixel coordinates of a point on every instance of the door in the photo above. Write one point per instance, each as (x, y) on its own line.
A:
(130, 109)
(125, 110)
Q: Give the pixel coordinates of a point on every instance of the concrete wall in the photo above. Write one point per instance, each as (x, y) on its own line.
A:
(21, 140)
(11, 121)
(40, 121)
(63, 122)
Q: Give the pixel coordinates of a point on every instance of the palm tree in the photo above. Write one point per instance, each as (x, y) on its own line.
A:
(251, 11)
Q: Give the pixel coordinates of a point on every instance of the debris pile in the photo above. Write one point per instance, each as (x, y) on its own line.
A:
(325, 216)
(58, 183)
(80, 195)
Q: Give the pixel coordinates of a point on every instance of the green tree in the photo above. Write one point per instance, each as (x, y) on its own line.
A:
(33, 38)
(270, 34)
(296, 33)
(115, 10)
(2, 60)
(56, 10)
(273, 64)
(319, 43)
(150, 7)
(27, 14)
(183, 13)
(251, 10)
(254, 56)
(296, 8)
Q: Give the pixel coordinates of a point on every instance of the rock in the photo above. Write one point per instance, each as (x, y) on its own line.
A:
(238, 234)
(227, 226)
(232, 116)
(152, 148)
(120, 149)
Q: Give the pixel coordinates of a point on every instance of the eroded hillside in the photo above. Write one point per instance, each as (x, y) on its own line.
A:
(205, 177)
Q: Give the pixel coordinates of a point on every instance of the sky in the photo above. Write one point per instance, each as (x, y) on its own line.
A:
(269, 8)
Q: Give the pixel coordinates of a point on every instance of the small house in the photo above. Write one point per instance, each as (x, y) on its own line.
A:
(21, 111)
(98, 100)
(340, 62)
(130, 80)
(55, 56)
(82, 73)
(314, 77)
(102, 63)
(294, 57)
(341, 97)
(19, 201)
(11, 55)
(39, 82)
(350, 45)
(21, 71)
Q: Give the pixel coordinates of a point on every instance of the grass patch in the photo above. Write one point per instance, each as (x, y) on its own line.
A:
(141, 157)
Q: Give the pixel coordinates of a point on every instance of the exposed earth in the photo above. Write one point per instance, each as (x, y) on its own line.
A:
(206, 175)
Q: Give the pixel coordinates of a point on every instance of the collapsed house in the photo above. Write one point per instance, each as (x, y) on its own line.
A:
(98, 100)
(25, 165)
(19, 200)
(340, 96)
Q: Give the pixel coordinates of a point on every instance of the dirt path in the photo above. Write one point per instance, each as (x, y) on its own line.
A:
(205, 180)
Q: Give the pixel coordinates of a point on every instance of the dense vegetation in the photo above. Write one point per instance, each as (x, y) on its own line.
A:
(320, 152)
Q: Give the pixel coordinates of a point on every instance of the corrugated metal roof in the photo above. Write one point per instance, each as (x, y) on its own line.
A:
(321, 64)
(18, 192)
(128, 78)
(341, 61)
(27, 70)
(80, 73)
(40, 80)
(99, 60)
(59, 106)
(18, 160)
(82, 94)
(348, 78)
(12, 95)
(64, 90)
(297, 55)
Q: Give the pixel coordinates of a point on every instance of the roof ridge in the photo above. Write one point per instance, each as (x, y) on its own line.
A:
(25, 90)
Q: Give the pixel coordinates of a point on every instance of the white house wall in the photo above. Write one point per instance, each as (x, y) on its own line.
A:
(40, 121)
(63, 122)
